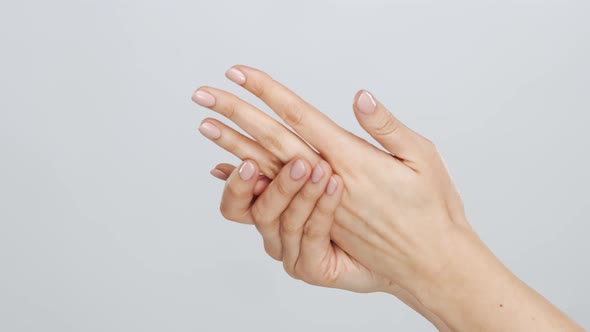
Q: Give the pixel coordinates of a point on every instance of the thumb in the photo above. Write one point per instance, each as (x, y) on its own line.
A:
(386, 129)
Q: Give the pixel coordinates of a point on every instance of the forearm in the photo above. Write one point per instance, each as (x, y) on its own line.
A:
(476, 292)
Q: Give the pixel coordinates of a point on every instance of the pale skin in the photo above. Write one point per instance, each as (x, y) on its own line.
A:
(393, 223)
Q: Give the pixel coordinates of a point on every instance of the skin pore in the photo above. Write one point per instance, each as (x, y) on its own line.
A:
(397, 224)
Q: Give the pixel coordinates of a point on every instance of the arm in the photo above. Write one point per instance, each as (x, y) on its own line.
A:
(476, 292)
(400, 214)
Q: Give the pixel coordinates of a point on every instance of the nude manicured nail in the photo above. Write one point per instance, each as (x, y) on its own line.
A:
(209, 130)
(366, 103)
(297, 170)
(218, 174)
(332, 185)
(236, 76)
(204, 98)
(317, 174)
(247, 171)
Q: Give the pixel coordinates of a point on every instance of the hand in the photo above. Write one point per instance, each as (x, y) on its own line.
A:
(400, 214)
(398, 207)
(301, 202)
(274, 145)
(304, 227)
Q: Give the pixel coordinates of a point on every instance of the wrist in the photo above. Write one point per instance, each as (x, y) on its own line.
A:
(468, 263)
(467, 274)
(476, 292)
(411, 301)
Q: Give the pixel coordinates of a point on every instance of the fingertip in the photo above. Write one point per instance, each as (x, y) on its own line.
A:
(356, 97)
(219, 174)
(300, 169)
(209, 130)
(247, 170)
(225, 168)
(364, 102)
(320, 171)
(204, 98)
(332, 185)
(236, 75)
(245, 68)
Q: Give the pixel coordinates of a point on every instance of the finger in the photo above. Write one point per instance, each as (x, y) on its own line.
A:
(219, 174)
(294, 217)
(239, 192)
(315, 127)
(226, 169)
(240, 146)
(315, 243)
(393, 135)
(222, 172)
(268, 132)
(274, 200)
(261, 185)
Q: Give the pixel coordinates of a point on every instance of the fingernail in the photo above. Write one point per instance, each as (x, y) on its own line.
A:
(236, 76)
(297, 170)
(209, 130)
(204, 99)
(247, 171)
(218, 174)
(317, 174)
(332, 185)
(366, 103)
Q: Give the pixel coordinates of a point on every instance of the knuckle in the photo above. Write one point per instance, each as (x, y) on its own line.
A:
(272, 251)
(232, 190)
(289, 269)
(274, 167)
(297, 270)
(290, 228)
(229, 109)
(308, 194)
(311, 232)
(283, 217)
(294, 114)
(428, 143)
(258, 215)
(283, 223)
(265, 224)
(282, 188)
(226, 211)
(258, 88)
(306, 273)
(388, 125)
(324, 210)
(430, 147)
(270, 142)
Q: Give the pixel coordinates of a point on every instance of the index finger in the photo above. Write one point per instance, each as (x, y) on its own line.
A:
(269, 133)
(315, 127)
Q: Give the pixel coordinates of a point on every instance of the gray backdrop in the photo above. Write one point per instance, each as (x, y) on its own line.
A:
(109, 217)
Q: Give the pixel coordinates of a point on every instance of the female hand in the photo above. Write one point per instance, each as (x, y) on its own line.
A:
(400, 214)
(399, 207)
(301, 203)
(307, 254)
(274, 145)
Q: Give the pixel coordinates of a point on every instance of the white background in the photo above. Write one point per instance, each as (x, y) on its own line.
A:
(109, 219)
